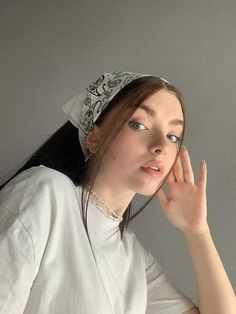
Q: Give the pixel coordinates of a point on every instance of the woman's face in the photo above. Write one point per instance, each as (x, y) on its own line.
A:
(145, 150)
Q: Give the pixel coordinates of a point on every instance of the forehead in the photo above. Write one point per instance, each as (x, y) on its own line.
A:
(162, 104)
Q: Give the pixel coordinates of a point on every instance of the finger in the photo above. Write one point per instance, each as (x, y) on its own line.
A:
(202, 182)
(162, 197)
(171, 177)
(187, 167)
(178, 170)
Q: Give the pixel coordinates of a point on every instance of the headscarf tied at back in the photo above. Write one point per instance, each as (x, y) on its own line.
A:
(84, 109)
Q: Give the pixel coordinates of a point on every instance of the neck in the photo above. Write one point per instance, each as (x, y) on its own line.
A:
(116, 197)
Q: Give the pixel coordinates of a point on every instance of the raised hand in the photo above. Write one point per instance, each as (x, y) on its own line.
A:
(185, 203)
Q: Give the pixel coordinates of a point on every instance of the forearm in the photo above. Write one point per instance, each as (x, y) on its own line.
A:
(215, 293)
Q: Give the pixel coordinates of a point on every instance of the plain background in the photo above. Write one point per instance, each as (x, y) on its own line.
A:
(51, 50)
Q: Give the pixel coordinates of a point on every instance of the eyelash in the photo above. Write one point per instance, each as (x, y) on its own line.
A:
(135, 123)
(177, 138)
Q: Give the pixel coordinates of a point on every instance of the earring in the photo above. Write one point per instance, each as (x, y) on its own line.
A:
(88, 157)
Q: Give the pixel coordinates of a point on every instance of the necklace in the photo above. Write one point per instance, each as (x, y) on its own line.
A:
(107, 209)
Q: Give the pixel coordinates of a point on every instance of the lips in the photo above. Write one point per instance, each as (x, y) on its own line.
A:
(154, 168)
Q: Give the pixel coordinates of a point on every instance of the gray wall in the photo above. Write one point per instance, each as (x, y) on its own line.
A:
(50, 50)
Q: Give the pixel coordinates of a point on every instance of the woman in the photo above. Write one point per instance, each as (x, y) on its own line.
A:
(65, 243)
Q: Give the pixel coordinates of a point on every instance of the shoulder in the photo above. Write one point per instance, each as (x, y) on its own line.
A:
(34, 202)
(33, 180)
(40, 174)
(38, 190)
(32, 206)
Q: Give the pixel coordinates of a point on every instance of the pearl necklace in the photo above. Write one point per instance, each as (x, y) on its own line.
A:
(105, 210)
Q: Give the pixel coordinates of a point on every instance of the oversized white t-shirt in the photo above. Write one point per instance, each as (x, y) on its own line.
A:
(47, 265)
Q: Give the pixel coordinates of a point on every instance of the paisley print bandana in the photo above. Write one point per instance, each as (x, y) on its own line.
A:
(84, 109)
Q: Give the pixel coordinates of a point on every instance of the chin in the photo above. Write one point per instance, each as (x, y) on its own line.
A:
(147, 190)
(147, 193)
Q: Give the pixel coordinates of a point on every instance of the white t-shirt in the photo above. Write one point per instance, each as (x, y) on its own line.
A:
(47, 265)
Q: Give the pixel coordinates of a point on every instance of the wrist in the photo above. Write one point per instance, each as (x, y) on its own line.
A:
(198, 232)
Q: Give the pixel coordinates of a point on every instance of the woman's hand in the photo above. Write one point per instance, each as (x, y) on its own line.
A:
(186, 205)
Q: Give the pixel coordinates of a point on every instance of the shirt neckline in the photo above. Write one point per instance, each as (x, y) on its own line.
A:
(103, 228)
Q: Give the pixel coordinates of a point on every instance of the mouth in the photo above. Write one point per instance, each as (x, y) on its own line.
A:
(153, 172)
(154, 168)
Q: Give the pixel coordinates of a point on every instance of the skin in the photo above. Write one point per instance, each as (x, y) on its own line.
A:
(184, 203)
(154, 138)
(186, 208)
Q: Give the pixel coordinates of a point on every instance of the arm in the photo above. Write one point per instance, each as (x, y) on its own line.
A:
(186, 209)
(215, 293)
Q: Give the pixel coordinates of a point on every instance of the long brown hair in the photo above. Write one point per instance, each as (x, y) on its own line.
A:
(62, 151)
(126, 103)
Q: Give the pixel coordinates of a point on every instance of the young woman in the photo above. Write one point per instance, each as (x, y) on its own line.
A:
(65, 245)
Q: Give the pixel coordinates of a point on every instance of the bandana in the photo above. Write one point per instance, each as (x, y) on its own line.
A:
(84, 109)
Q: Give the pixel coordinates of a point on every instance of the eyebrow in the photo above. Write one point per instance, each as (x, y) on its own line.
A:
(152, 113)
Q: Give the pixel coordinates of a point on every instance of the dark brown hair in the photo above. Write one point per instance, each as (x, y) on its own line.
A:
(62, 151)
(125, 103)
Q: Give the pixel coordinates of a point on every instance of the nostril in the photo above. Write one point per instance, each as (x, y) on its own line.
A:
(157, 150)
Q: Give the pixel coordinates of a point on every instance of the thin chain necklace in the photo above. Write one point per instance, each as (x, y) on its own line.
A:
(107, 209)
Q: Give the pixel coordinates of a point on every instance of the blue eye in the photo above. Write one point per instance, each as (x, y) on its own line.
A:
(174, 138)
(137, 125)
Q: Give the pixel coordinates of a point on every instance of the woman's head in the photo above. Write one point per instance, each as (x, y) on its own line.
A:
(65, 153)
(127, 136)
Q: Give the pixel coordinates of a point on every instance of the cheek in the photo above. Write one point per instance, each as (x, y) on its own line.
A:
(119, 146)
(114, 157)
(118, 153)
(112, 154)
(172, 157)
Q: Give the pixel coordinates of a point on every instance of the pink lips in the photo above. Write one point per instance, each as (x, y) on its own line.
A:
(154, 168)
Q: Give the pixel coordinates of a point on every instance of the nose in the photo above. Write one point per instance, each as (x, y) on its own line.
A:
(160, 145)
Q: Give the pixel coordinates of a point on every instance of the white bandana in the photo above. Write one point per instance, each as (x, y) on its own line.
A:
(84, 109)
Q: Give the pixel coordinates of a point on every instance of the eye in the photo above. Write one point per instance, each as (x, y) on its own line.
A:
(174, 138)
(137, 125)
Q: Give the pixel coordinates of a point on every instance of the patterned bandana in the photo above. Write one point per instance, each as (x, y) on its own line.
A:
(84, 109)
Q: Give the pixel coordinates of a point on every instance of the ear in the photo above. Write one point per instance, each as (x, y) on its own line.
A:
(93, 137)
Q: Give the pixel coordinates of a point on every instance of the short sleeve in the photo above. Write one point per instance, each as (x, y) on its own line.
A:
(16, 264)
(162, 296)
(29, 206)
